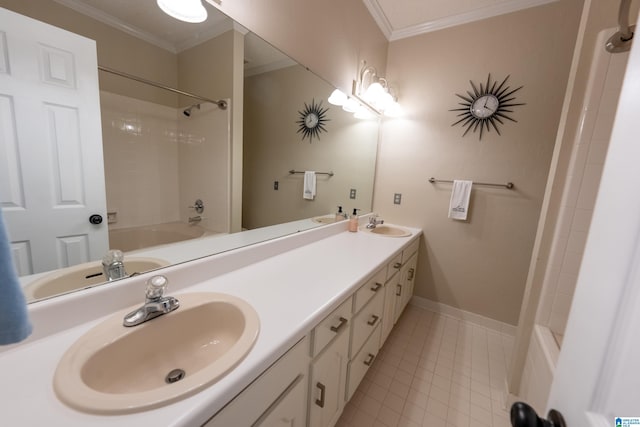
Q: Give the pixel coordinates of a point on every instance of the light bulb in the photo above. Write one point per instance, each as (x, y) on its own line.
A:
(350, 105)
(184, 10)
(337, 97)
(373, 92)
(393, 110)
(364, 113)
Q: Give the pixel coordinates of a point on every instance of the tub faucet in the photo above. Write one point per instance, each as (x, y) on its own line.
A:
(113, 265)
(373, 221)
(156, 304)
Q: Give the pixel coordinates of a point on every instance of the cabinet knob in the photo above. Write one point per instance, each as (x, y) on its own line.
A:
(397, 265)
(320, 402)
(398, 290)
(411, 273)
(376, 287)
(343, 322)
(373, 320)
(370, 359)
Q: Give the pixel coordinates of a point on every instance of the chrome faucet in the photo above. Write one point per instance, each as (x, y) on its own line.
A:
(373, 221)
(113, 265)
(156, 304)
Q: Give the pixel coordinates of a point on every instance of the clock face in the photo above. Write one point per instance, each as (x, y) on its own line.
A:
(311, 120)
(485, 106)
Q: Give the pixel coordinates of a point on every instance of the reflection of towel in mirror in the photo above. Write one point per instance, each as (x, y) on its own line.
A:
(459, 203)
(309, 192)
(14, 320)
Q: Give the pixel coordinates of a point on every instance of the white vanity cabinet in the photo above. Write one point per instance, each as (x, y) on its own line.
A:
(278, 397)
(328, 370)
(399, 286)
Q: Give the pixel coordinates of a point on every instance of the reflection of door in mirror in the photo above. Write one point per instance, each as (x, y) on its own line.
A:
(52, 179)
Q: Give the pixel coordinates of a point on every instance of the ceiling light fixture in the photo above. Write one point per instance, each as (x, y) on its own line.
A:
(374, 92)
(185, 10)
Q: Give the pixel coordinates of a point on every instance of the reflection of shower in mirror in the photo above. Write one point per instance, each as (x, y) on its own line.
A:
(187, 111)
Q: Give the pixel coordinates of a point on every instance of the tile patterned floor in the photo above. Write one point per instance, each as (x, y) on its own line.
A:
(434, 371)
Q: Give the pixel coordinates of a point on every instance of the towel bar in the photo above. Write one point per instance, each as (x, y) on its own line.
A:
(292, 171)
(508, 185)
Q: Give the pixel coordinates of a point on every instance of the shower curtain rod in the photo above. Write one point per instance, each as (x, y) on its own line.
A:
(222, 104)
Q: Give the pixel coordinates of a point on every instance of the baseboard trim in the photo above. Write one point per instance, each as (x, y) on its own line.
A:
(447, 310)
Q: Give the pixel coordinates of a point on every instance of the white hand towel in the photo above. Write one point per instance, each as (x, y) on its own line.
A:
(459, 203)
(309, 191)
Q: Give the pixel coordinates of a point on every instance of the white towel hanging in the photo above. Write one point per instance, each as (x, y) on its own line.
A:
(309, 186)
(459, 203)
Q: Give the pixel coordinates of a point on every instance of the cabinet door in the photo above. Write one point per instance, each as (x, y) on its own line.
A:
(289, 410)
(389, 307)
(327, 385)
(408, 275)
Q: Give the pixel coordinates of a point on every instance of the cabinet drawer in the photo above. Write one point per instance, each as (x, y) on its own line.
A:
(331, 326)
(250, 405)
(366, 321)
(360, 364)
(367, 291)
(394, 265)
(410, 250)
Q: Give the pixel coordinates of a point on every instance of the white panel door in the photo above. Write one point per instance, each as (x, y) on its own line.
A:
(51, 166)
(597, 378)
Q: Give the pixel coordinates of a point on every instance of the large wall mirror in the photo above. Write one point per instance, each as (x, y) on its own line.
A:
(161, 153)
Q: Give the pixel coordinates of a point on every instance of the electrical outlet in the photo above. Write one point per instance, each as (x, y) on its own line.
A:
(397, 198)
(275, 185)
(352, 193)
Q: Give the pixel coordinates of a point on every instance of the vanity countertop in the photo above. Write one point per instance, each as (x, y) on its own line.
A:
(317, 269)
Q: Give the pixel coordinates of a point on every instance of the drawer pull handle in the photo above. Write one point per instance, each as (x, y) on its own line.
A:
(411, 273)
(320, 402)
(376, 287)
(398, 290)
(397, 265)
(343, 322)
(370, 359)
(373, 320)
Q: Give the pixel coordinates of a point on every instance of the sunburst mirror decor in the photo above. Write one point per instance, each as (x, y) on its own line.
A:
(485, 107)
(312, 120)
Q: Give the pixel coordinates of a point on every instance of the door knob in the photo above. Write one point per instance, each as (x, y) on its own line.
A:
(95, 219)
(523, 415)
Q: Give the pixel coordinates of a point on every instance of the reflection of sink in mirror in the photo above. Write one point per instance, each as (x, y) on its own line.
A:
(326, 219)
(113, 369)
(83, 275)
(387, 230)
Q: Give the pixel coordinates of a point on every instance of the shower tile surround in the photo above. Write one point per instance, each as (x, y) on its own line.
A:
(149, 149)
(578, 199)
(580, 192)
(434, 371)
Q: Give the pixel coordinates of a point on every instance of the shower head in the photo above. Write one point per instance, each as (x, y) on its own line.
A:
(621, 40)
(187, 111)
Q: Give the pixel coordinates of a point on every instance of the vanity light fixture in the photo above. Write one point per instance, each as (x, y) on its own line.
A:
(184, 10)
(374, 91)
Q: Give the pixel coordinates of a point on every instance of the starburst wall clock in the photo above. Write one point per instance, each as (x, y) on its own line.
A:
(486, 107)
(312, 120)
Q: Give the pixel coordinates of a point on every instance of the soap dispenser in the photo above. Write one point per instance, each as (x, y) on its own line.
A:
(340, 215)
(353, 221)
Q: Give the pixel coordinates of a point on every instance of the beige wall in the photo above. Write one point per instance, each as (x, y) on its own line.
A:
(115, 50)
(273, 146)
(479, 265)
(330, 37)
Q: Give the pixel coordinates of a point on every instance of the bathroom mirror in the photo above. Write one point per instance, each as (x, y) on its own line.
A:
(134, 115)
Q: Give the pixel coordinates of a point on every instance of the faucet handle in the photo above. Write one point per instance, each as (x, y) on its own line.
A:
(113, 255)
(156, 287)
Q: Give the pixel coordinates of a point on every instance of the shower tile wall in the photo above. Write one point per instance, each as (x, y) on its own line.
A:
(140, 152)
(580, 192)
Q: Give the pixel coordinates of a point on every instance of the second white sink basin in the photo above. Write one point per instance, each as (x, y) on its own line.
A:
(114, 369)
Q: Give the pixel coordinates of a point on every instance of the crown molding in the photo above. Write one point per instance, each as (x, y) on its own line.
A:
(105, 18)
(450, 21)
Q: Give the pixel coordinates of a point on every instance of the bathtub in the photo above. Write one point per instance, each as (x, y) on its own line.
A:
(132, 238)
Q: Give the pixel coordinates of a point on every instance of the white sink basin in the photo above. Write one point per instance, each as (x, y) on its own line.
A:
(82, 275)
(387, 230)
(325, 219)
(114, 369)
